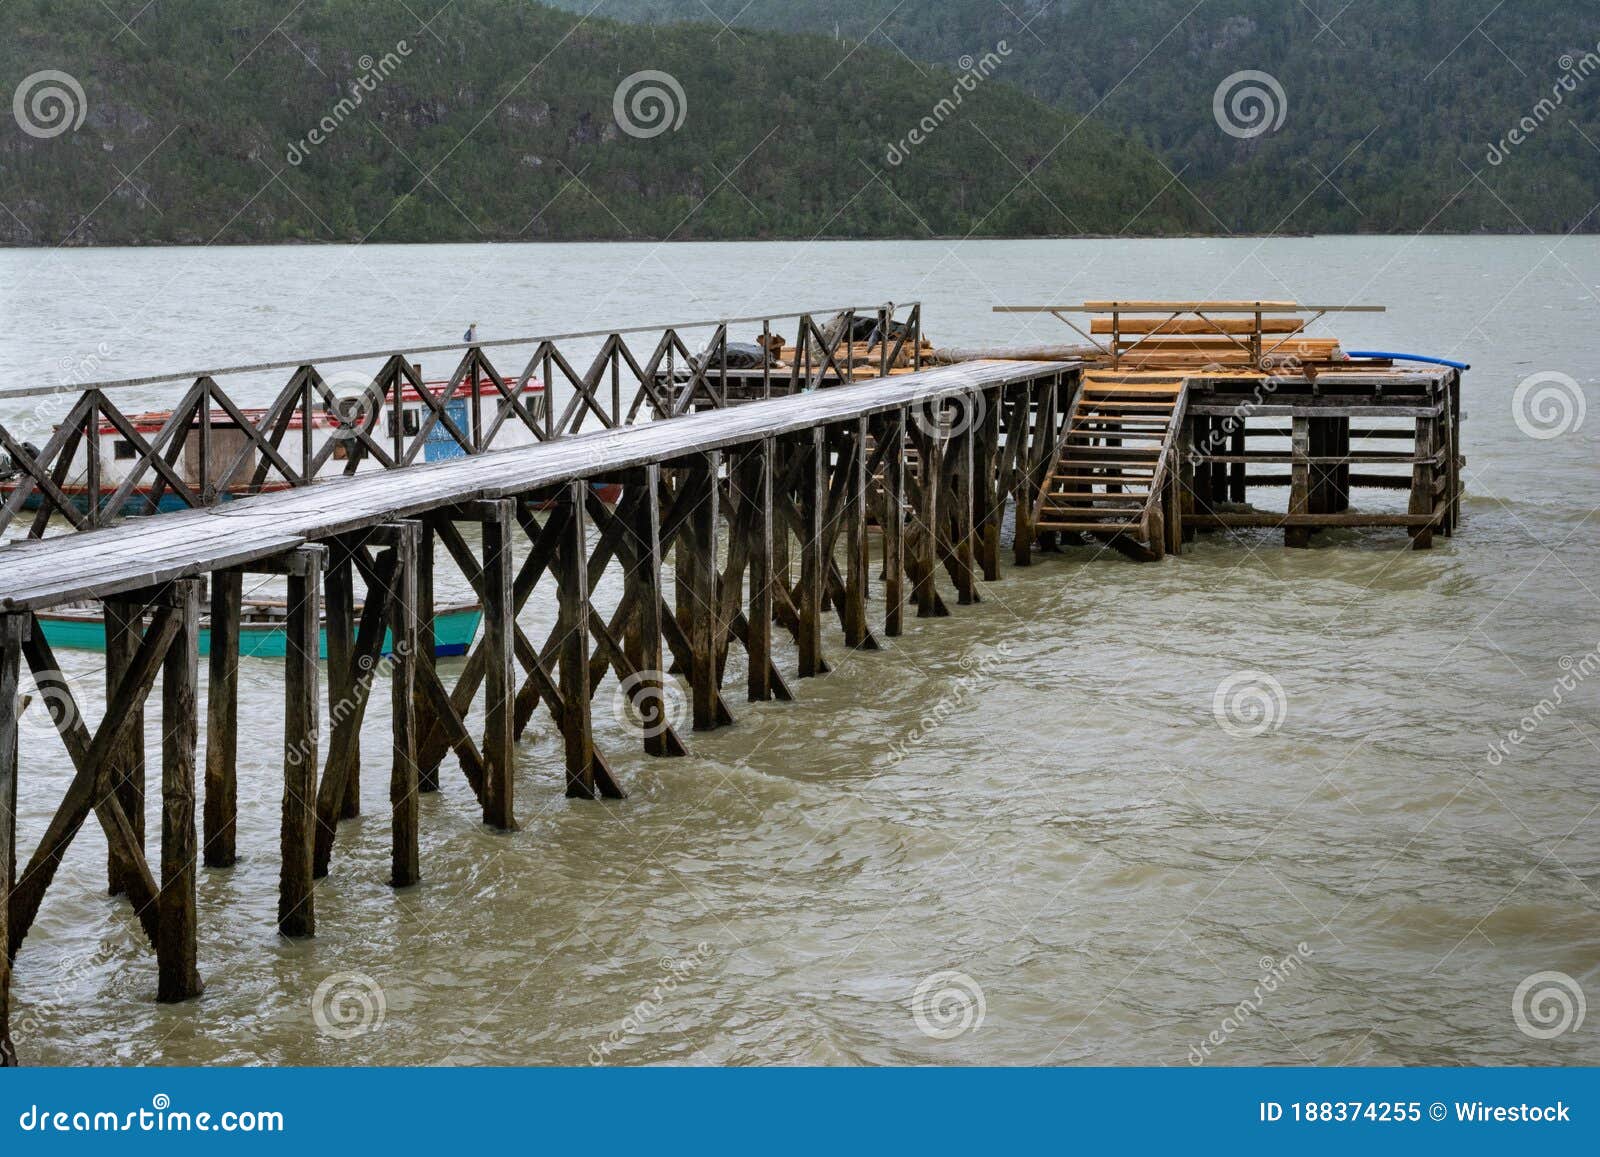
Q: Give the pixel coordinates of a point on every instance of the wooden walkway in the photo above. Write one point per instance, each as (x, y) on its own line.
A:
(730, 522)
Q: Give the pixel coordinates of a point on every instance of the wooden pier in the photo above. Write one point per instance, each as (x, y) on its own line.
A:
(765, 509)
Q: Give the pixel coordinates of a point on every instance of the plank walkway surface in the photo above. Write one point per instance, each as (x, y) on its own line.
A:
(139, 553)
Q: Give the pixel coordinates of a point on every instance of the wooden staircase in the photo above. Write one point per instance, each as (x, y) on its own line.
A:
(1114, 464)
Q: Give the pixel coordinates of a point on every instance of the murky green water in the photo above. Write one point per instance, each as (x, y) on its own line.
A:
(1073, 831)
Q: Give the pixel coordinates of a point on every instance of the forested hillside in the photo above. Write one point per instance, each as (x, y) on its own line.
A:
(1390, 108)
(232, 121)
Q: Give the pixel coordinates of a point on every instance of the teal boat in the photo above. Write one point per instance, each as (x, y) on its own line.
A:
(261, 629)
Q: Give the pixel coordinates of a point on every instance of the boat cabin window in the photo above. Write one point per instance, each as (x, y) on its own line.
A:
(410, 422)
(122, 448)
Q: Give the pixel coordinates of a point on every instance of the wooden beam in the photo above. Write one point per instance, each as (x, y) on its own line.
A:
(125, 768)
(301, 725)
(1300, 488)
(219, 839)
(339, 605)
(427, 662)
(643, 561)
(13, 632)
(500, 682)
(892, 521)
(989, 507)
(930, 472)
(587, 772)
(405, 630)
(754, 479)
(813, 499)
(697, 546)
(858, 555)
(177, 961)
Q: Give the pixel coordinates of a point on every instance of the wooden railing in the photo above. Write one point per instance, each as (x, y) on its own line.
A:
(622, 384)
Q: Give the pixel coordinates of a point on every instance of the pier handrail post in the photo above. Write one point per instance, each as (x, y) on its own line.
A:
(13, 633)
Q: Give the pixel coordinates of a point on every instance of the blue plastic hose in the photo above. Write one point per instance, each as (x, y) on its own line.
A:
(1410, 358)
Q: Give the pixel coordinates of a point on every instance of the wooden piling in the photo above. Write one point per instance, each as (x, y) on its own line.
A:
(1300, 485)
(426, 661)
(813, 500)
(572, 628)
(125, 769)
(301, 726)
(697, 545)
(754, 479)
(405, 631)
(177, 961)
(219, 838)
(341, 629)
(893, 522)
(857, 547)
(13, 633)
(500, 683)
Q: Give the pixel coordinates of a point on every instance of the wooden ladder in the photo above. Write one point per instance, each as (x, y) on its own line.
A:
(1114, 458)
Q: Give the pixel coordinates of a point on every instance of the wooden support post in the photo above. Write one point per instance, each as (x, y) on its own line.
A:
(1236, 486)
(1422, 473)
(644, 554)
(893, 521)
(1020, 426)
(857, 546)
(219, 839)
(500, 683)
(405, 632)
(572, 628)
(960, 462)
(989, 509)
(698, 547)
(930, 475)
(1186, 476)
(177, 963)
(13, 633)
(341, 631)
(125, 770)
(301, 726)
(427, 664)
(813, 566)
(754, 479)
(1300, 482)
